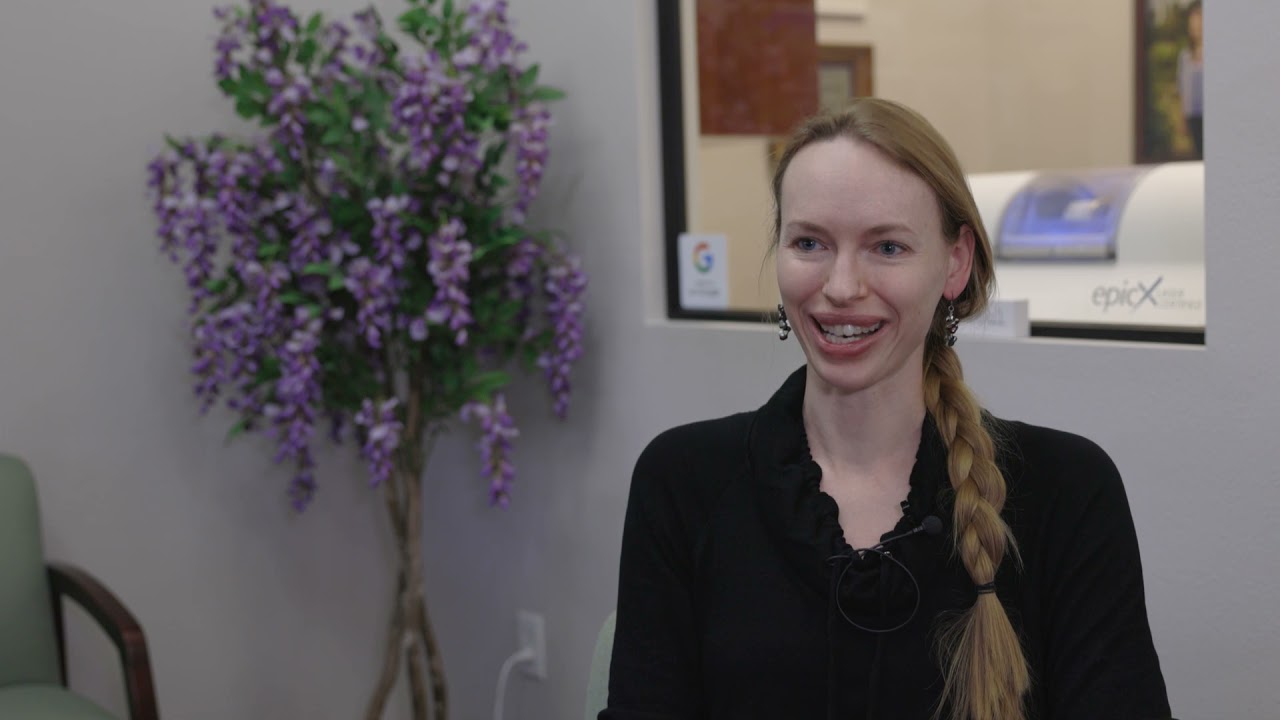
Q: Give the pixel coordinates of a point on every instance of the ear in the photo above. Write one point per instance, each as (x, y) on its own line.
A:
(960, 262)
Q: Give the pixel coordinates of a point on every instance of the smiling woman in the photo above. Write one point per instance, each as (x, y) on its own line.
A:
(871, 543)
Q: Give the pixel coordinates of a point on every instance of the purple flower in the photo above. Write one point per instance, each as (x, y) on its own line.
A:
(375, 290)
(189, 234)
(529, 136)
(429, 108)
(390, 242)
(564, 286)
(276, 25)
(490, 42)
(381, 438)
(298, 397)
(498, 430)
(368, 23)
(289, 96)
(232, 38)
(520, 267)
(450, 271)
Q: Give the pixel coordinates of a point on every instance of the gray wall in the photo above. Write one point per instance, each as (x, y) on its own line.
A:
(254, 613)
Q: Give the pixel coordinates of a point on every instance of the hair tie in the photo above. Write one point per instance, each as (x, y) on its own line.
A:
(985, 588)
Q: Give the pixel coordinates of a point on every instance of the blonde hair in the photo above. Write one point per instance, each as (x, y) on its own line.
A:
(986, 675)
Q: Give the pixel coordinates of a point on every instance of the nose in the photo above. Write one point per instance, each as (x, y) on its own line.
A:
(845, 282)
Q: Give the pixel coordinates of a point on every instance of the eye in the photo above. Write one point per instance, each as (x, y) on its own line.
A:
(888, 248)
(805, 244)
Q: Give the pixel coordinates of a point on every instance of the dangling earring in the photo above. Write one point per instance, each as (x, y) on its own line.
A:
(952, 323)
(784, 325)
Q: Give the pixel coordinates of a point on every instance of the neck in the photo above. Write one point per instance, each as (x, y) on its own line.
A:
(858, 433)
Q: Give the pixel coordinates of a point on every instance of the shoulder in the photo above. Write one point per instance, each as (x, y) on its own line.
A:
(693, 462)
(1054, 465)
(699, 446)
(1064, 491)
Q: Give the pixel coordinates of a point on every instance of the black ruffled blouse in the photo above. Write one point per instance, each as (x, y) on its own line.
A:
(739, 596)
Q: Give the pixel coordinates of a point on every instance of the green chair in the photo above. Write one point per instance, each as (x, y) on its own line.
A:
(598, 686)
(33, 669)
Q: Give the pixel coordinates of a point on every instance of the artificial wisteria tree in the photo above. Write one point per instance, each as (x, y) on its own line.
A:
(363, 267)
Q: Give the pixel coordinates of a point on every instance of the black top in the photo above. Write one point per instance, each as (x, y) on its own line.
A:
(731, 555)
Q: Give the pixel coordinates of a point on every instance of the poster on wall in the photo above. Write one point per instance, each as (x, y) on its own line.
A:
(1169, 81)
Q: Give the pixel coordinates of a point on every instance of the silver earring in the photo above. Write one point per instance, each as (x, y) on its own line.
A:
(952, 323)
(784, 325)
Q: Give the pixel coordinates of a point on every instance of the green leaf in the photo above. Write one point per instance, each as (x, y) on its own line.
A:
(237, 430)
(229, 86)
(268, 370)
(248, 108)
(269, 251)
(346, 212)
(420, 223)
(322, 268)
(313, 25)
(218, 286)
(412, 20)
(254, 84)
(341, 104)
(292, 297)
(307, 51)
(503, 239)
(529, 78)
(319, 115)
(546, 94)
(333, 135)
(337, 282)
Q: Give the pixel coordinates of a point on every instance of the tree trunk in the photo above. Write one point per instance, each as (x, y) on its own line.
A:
(410, 631)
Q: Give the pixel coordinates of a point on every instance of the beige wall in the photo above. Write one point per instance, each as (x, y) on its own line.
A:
(1013, 84)
(733, 199)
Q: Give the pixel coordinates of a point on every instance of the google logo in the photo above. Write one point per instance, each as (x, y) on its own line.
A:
(703, 258)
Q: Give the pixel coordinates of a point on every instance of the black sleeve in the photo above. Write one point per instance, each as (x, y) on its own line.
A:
(654, 669)
(1101, 661)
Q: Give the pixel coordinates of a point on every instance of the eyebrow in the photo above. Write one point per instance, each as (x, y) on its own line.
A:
(881, 229)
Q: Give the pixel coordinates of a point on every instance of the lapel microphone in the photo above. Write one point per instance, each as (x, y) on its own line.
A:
(931, 525)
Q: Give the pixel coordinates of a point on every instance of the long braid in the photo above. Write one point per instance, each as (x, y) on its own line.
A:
(986, 673)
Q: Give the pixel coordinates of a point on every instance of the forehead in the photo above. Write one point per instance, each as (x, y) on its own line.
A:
(843, 184)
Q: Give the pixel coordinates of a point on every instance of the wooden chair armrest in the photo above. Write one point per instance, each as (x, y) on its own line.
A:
(120, 625)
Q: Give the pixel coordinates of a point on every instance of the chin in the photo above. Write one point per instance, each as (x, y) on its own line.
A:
(854, 367)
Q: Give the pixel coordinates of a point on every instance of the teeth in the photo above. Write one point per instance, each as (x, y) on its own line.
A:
(849, 331)
(845, 334)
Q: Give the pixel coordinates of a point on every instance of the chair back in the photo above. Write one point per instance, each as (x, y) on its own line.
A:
(598, 685)
(28, 646)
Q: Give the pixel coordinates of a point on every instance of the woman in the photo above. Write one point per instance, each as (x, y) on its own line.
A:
(998, 575)
(1191, 78)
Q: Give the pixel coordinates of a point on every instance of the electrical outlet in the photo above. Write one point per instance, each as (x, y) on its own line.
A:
(531, 632)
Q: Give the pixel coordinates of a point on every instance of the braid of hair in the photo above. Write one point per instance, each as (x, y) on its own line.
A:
(986, 673)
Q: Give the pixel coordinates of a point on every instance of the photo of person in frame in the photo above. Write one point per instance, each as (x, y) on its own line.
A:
(1170, 80)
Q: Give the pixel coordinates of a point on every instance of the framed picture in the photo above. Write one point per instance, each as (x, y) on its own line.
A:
(844, 73)
(1169, 81)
